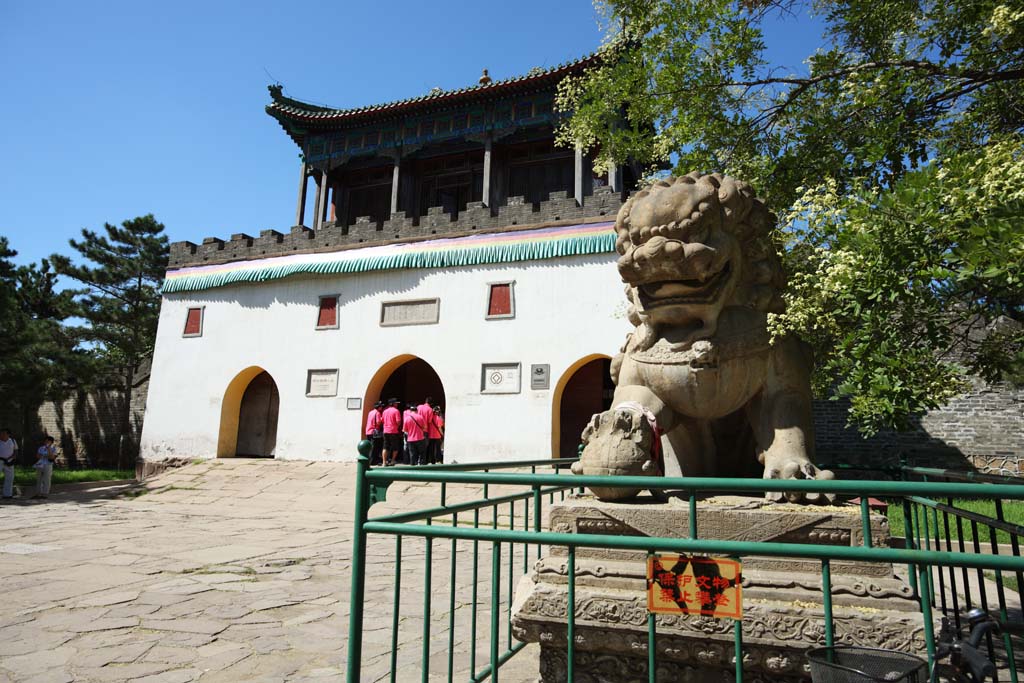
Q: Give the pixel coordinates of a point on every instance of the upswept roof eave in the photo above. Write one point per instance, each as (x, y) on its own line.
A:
(284, 122)
(285, 108)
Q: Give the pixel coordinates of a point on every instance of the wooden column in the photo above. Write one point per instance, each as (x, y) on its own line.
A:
(300, 211)
(394, 184)
(487, 173)
(325, 197)
(317, 200)
(578, 173)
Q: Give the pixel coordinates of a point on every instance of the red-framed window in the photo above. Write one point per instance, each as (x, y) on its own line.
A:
(194, 323)
(327, 315)
(501, 300)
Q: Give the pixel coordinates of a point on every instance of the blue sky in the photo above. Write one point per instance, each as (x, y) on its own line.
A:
(117, 109)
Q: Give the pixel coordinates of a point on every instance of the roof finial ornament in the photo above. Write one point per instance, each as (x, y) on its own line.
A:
(485, 79)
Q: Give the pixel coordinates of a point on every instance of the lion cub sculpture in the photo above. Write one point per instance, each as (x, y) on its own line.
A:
(700, 388)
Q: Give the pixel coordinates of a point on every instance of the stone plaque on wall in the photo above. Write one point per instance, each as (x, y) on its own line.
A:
(540, 377)
(415, 312)
(499, 378)
(322, 383)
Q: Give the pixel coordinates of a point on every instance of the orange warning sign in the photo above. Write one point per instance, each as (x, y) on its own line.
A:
(677, 584)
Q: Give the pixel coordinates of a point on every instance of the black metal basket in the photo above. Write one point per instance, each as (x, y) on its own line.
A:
(860, 664)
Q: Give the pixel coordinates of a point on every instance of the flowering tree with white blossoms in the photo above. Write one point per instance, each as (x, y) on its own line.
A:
(903, 290)
(892, 156)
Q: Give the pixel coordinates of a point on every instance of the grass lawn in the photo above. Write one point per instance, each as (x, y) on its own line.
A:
(1009, 580)
(1013, 512)
(26, 476)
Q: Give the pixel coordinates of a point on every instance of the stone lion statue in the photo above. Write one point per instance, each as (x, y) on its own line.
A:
(700, 389)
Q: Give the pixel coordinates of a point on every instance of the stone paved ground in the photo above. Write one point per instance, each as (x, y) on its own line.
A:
(233, 571)
(228, 571)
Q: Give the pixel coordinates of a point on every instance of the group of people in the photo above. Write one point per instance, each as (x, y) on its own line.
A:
(46, 455)
(414, 436)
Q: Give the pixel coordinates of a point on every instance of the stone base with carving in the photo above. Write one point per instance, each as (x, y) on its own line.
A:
(782, 598)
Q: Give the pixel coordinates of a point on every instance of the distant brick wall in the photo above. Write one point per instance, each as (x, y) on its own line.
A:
(983, 428)
(86, 426)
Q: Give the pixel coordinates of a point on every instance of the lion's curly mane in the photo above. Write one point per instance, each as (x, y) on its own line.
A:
(656, 224)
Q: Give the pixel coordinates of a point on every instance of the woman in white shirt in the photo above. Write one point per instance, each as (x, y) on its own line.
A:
(45, 456)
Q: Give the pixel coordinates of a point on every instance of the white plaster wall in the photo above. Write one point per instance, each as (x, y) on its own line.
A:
(566, 309)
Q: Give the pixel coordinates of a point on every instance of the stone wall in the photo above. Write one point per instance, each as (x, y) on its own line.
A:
(401, 226)
(86, 426)
(983, 428)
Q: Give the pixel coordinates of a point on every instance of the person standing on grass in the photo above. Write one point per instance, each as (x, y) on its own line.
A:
(45, 457)
(8, 449)
(392, 423)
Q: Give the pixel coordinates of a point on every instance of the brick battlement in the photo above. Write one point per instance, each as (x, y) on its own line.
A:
(401, 226)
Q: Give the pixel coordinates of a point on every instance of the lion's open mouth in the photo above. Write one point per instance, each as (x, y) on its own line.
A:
(674, 292)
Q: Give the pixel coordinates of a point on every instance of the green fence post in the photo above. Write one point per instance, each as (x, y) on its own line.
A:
(511, 568)
(1014, 542)
(652, 653)
(451, 603)
(908, 525)
(536, 515)
(942, 578)
(570, 627)
(737, 638)
(474, 584)
(908, 532)
(495, 601)
(865, 520)
(355, 620)
(652, 635)
(693, 514)
(396, 608)
(826, 603)
(1001, 594)
(924, 581)
(526, 527)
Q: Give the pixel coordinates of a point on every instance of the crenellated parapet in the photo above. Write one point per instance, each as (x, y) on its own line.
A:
(332, 236)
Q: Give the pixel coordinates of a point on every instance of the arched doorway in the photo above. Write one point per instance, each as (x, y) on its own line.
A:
(408, 378)
(248, 415)
(584, 389)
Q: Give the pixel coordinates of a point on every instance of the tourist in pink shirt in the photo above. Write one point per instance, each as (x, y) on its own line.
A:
(426, 410)
(415, 428)
(375, 431)
(435, 432)
(392, 424)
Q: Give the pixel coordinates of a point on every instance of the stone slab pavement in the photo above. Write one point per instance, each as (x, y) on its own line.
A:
(236, 570)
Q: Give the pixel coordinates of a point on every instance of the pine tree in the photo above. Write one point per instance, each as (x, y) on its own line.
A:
(39, 358)
(122, 275)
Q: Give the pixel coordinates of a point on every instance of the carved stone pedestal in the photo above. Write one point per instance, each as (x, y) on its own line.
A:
(782, 598)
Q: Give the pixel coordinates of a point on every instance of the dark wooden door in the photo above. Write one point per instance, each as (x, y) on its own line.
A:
(588, 392)
(257, 418)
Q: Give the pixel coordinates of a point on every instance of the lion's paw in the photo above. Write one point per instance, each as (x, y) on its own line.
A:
(796, 467)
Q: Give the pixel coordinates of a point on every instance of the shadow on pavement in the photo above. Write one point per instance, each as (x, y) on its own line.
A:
(75, 493)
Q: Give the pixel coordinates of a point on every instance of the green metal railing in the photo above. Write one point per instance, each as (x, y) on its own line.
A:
(511, 524)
